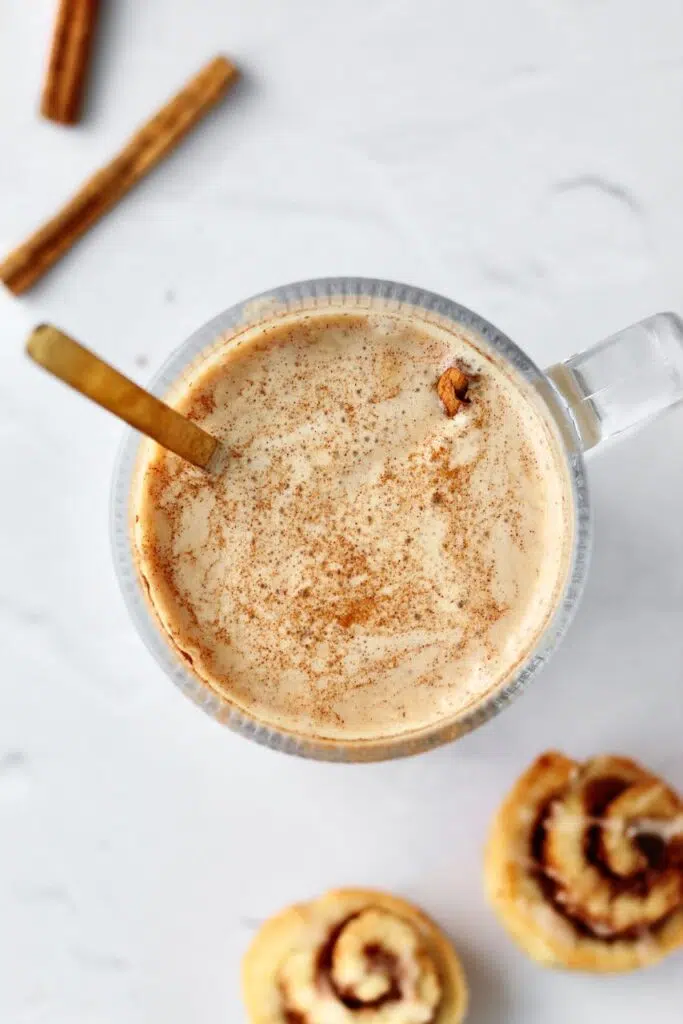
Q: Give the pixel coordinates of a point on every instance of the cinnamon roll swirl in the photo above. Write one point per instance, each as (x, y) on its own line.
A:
(353, 956)
(584, 864)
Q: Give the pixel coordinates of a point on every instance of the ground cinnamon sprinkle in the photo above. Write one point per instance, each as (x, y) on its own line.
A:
(363, 561)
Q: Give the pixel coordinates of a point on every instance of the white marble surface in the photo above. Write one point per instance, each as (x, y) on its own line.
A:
(524, 158)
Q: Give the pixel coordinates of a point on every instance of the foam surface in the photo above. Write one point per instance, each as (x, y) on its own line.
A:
(366, 566)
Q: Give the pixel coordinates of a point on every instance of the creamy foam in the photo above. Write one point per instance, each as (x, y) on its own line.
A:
(366, 566)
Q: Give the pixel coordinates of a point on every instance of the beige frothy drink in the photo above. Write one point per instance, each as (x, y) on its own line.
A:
(366, 565)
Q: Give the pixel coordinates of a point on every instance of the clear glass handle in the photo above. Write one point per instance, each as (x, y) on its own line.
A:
(624, 380)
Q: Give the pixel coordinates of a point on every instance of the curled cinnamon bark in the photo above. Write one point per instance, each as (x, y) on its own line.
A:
(452, 388)
(62, 97)
(585, 864)
(151, 143)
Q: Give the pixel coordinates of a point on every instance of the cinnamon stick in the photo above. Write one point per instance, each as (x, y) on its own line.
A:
(23, 267)
(72, 36)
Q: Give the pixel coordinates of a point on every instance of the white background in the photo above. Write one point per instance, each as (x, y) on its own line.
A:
(524, 158)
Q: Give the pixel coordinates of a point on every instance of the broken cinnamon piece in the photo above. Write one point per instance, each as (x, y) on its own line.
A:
(64, 83)
(150, 144)
(452, 389)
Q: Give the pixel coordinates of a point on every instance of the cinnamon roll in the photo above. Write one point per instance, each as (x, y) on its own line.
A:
(353, 956)
(584, 864)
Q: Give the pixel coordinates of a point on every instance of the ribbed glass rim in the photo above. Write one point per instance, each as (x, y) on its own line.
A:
(372, 294)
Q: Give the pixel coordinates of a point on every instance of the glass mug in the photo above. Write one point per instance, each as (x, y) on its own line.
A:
(621, 382)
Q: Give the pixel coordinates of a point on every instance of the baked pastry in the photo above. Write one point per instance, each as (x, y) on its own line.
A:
(584, 864)
(353, 956)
